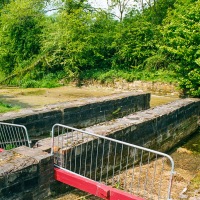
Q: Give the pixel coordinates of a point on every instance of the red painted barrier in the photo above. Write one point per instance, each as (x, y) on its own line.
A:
(92, 187)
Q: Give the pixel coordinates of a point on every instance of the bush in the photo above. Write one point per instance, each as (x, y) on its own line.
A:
(156, 62)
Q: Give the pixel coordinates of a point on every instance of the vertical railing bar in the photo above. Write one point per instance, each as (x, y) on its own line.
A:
(119, 178)
(172, 172)
(19, 136)
(91, 163)
(11, 136)
(75, 152)
(102, 161)
(96, 159)
(160, 184)
(58, 144)
(133, 169)
(4, 136)
(61, 149)
(141, 162)
(81, 150)
(86, 151)
(1, 136)
(114, 163)
(24, 135)
(155, 165)
(147, 172)
(7, 136)
(14, 135)
(108, 163)
(66, 144)
(71, 148)
(127, 161)
(52, 141)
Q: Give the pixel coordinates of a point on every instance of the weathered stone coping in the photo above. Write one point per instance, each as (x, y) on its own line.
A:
(80, 113)
(19, 158)
(159, 128)
(158, 88)
(25, 173)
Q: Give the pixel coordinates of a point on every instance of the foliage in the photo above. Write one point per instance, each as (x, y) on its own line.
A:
(77, 42)
(110, 76)
(135, 42)
(157, 11)
(20, 31)
(9, 146)
(157, 42)
(181, 44)
(156, 62)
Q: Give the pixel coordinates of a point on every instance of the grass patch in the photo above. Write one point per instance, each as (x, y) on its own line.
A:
(195, 182)
(4, 107)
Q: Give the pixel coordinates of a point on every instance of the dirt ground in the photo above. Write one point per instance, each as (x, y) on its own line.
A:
(186, 181)
(187, 163)
(38, 97)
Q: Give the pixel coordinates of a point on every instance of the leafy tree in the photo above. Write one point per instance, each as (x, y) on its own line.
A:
(181, 44)
(121, 6)
(155, 11)
(135, 42)
(3, 3)
(20, 28)
(78, 41)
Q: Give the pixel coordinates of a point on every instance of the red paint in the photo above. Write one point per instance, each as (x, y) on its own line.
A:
(1, 150)
(92, 187)
(116, 194)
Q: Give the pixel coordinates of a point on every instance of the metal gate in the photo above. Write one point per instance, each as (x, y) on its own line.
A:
(116, 168)
(13, 135)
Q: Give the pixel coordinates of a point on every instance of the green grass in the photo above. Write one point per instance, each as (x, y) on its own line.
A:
(10, 146)
(5, 107)
(108, 76)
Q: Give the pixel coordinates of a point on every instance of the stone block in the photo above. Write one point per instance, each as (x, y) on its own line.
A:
(31, 183)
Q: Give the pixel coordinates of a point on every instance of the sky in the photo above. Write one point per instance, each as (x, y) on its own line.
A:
(99, 3)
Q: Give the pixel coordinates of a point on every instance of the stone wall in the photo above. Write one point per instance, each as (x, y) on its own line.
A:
(80, 113)
(25, 174)
(158, 88)
(159, 128)
(28, 173)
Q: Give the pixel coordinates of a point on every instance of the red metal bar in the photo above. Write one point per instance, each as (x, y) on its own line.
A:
(1, 150)
(92, 187)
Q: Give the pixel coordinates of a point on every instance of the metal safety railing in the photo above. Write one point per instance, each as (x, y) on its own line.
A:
(131, 168)
(13, 135)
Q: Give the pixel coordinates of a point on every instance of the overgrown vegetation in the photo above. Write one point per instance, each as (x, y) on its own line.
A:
(156, 41)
